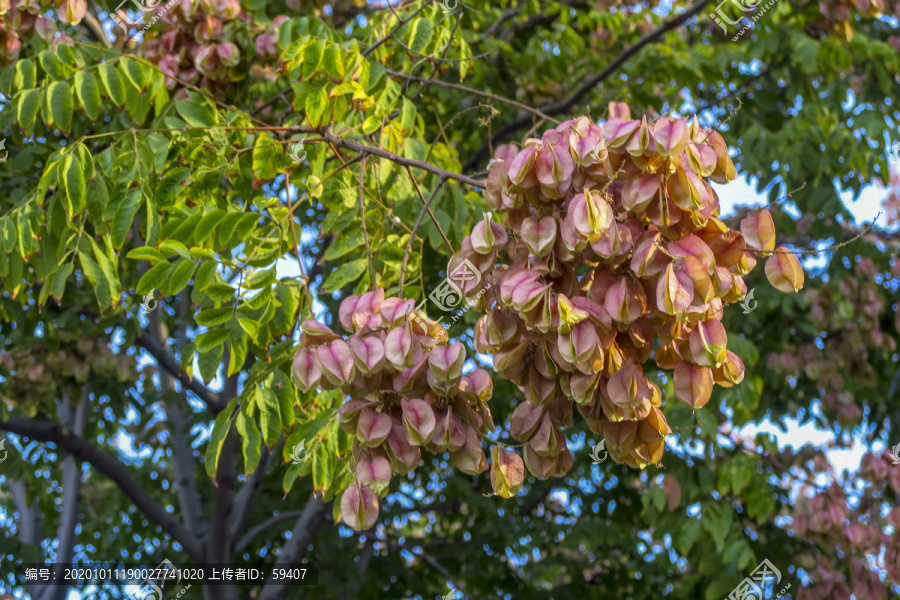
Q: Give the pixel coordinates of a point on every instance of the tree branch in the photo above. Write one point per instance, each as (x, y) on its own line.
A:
(51, 431)
(258, 529)
(562, 106)
(294, 550)
(407, 162)
(243, 500)
(475, 92)
(165, 360)
(71, 487)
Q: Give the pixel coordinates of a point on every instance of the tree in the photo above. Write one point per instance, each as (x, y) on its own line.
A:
(188, 361)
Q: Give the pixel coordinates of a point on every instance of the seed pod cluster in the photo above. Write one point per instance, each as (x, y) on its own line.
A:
(609, 239)
(407, 393)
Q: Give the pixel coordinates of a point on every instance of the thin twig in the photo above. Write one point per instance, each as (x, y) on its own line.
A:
(406, 162)
(412, 236)
(402, 22)
(431, 214)
(362, 217)
(475, 92)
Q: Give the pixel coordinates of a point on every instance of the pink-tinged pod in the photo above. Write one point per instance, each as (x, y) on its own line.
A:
(346, 310)
(497, 182)
(648, 258)
(539, 234)
(730, 372)
(542, 466)
(525, 420)
(370, 302)
(522, 168)
(398, 347)
(45, 28)
(411, 377)
(625, 301)
(704, 289)
(641, 141)
(476, 386)
(507, 472)
(583, 387)
(538, 389)
(314, 333)
(306, 369)
(685, 190)
(579, 344)
(629, 391)
(368, 353)
(617, 131)
(71, 11)
(674, 291)
(445, 365)
(419, 421)
(723, 280)
(728, 248)
(229, 55)
(692, 245)
(595, 312)
(528, 295)
(708, 340)
(395, 311)
(547, 439)
(693, 384)
(554, 165)
(348, 413)
(591, 214)
(404, 456)
(359, 506)
(670, 135)
(609, 243)
(504, 152)
(449, 432)
(470, 459)
(640, 190)
(488, 235)
(703, 159)
(725, 170)
(619, 110)
(784, 272)
(374, 472)
(372, 428)
(336, 362)
(513, 280)
(586, 143)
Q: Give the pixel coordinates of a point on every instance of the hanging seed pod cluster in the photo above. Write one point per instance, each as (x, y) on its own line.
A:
(609, 239)
(407, 392)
